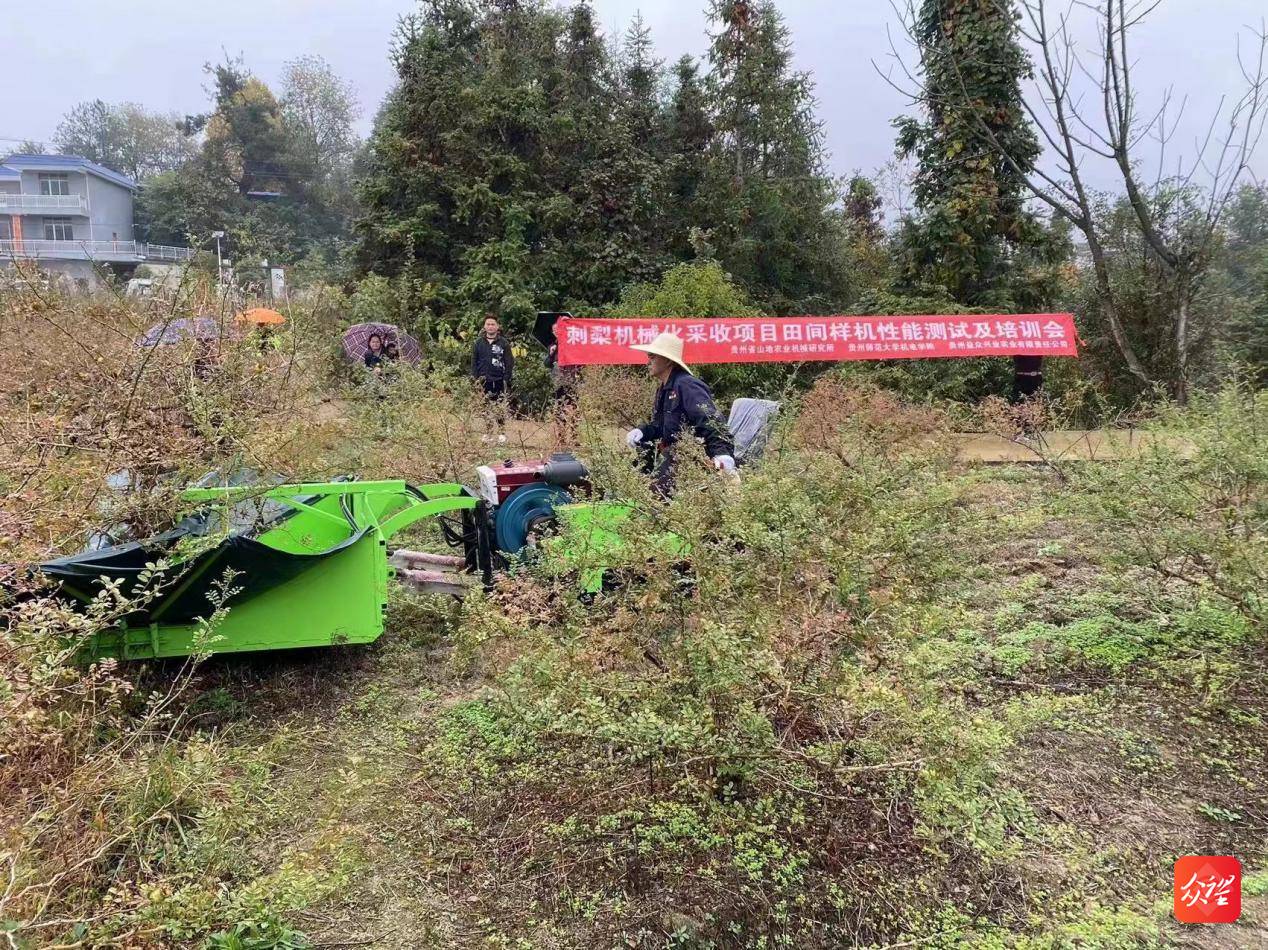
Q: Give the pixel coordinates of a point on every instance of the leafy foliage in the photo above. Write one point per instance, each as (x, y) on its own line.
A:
(868, 695)
(1193, 509)
(271, 174)
(124, 137)
(704, 289)
(1148, 293)
(1244, 273)
(873, 696)
(269, 934)
(520, 165)
(972, 151)
(122, 819)
(770, 206)
(712, 724)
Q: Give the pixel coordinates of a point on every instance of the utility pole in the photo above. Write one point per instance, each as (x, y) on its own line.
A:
(220, 267)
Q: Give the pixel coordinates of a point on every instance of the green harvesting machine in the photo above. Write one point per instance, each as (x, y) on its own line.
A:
(308, 564)
(296, 565)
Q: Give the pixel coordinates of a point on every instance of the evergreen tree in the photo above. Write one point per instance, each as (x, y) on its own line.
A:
(972, 222)
(408, 207)
(868, 254)
(585, 58)
(246, 137)
(453, 158)
(764, 110)
(770, 202)
(522, 163)
(641, 75)
(613, 179)
(248, 179)
(1244, 264)
(506, 171)
(689, 134)
(862, 209)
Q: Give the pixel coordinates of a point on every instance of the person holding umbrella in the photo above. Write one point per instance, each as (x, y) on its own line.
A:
(682, 402)
(374, 354)
(358, 340)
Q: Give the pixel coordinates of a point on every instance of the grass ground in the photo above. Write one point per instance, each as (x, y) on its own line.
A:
(908, 701)
(1132, 770)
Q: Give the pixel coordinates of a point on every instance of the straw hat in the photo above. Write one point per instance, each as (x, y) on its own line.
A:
(668, 345)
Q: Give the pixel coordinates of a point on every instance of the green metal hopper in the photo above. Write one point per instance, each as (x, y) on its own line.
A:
(314, 575)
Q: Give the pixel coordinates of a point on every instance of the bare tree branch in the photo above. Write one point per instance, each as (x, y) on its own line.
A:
(1071, 137)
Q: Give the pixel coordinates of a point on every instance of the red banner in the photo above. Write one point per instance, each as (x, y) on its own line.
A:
(797, 339)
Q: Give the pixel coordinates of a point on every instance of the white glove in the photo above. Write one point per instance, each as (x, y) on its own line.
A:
(724, 463)
(633, 438)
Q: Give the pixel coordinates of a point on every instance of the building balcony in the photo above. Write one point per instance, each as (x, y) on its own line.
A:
(111, 252)
(44, 204)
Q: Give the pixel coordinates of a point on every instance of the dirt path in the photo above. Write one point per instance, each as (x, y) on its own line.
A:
(1058, 445)
(525, 437)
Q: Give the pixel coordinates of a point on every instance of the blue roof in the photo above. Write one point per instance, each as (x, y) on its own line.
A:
(69, 163)
(6, 172)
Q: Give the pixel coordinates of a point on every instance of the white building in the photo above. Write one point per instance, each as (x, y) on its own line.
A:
(72, 216)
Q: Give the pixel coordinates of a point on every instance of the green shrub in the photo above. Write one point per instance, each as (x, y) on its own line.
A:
(1191, 509)
(737, 738)
(374, 300)
(268, 934)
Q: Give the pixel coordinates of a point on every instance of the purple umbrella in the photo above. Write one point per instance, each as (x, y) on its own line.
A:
(177, 331)
(356, 341)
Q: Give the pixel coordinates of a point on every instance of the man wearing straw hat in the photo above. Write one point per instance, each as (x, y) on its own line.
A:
(682, 401)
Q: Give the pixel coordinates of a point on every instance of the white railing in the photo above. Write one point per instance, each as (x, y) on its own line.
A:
(95, 250)
(65, 204)
(162, 252)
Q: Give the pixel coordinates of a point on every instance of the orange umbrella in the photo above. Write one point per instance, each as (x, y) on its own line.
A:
(262, 317)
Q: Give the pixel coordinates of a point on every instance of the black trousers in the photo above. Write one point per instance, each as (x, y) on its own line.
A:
(495, 392)
(1025, 386)
(658, 461)
(1027, 377)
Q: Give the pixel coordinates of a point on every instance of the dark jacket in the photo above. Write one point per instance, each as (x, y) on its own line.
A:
(564, 377)
(492, 360)
(683, 401)
(1028, 364)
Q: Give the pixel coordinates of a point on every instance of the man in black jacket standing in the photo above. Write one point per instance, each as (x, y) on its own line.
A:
(1027, 384)
(682, 402)
(492, 364)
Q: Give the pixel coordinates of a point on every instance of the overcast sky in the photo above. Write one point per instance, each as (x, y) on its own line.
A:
(151, 52)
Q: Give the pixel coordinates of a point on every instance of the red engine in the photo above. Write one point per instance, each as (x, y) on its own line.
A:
(498, 482)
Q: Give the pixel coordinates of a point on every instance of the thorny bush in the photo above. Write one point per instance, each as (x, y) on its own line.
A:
(699, 736)
(1193, 508)
(770, 727)
(99, 803)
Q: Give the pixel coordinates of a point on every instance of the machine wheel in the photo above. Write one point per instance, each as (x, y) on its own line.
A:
(526, 514)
